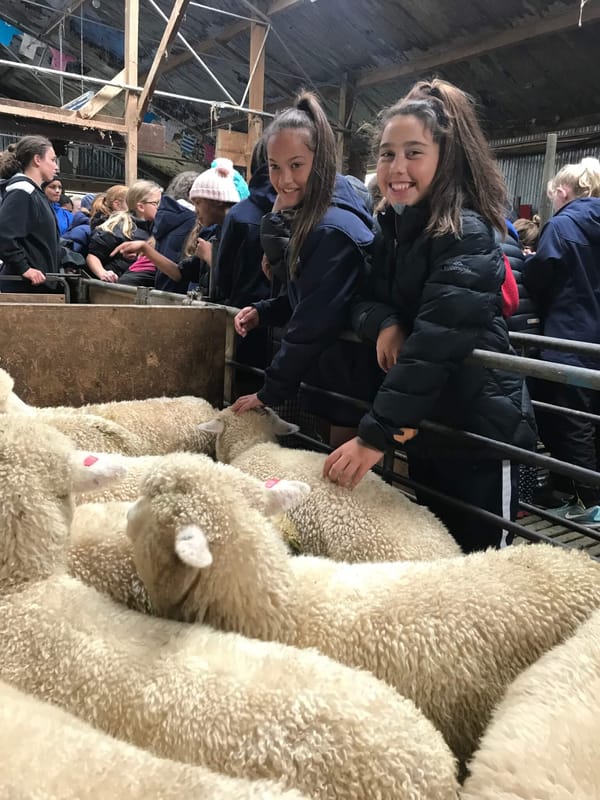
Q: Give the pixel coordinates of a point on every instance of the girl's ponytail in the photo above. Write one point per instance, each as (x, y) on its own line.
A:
(307, 115)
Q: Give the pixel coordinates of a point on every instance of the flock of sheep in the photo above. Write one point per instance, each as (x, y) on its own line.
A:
(160, 640)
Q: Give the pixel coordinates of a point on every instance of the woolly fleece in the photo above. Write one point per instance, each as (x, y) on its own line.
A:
(450, 634)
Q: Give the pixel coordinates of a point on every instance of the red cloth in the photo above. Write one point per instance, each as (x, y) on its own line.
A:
(510, 291)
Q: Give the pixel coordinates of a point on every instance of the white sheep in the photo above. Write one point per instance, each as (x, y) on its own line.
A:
(543, 739)
(133, 427)
(47, 754)
(251, 709)
(450, 634)
(374, 522)
(100, 553)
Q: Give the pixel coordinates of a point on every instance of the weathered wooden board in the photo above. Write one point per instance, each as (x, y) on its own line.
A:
(75, 354)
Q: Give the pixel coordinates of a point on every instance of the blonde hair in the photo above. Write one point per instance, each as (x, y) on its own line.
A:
(582, 179)
(528, 230)
(124, 219)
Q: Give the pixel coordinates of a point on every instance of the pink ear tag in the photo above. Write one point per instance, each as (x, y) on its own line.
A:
(271, 482)
(89, 461)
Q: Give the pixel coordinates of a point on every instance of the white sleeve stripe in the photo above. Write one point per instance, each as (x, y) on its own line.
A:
(25, 186)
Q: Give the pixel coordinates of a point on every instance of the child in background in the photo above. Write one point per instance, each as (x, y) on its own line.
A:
(53, 191)
(434, 296)
(563, 277)
(104, 259)
(213, 193)
(328, 227)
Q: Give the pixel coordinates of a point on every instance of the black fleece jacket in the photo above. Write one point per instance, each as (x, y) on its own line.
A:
(28, 230)
(445, 293)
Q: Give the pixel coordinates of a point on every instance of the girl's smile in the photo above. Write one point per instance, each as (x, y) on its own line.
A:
(408, 160)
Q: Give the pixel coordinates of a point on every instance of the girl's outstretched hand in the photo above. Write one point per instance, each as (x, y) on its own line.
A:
(245, 403)
(348, 465)
(129, 249)
(245, 320)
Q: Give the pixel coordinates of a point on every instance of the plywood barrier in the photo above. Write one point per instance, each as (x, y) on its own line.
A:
(75, 354)
(8, 297)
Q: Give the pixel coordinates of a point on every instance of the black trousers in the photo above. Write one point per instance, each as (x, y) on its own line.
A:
(484, 483)
(569, 438)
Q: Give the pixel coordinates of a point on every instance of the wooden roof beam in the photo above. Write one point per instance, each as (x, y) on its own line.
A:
(19, 108)
(477, 46)
(226, 35)
(161, 55)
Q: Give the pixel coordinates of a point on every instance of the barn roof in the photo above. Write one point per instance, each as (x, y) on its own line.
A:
(528, 63)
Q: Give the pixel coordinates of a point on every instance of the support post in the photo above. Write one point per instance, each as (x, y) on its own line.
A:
(161, 55)
(256, 94)
(342, 100)
(132, 18)
(545, 206)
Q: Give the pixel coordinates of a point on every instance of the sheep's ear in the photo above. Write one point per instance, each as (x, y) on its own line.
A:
(192, 548)
(212, 426)
(283, 428)
(281, 496)
(94, 470)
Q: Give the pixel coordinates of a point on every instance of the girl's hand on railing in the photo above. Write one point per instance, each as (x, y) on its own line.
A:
(109, 276)
(36, 276)
(245, 320)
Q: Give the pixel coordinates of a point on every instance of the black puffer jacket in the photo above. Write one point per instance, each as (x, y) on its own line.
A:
(445, 293)
(526, 318)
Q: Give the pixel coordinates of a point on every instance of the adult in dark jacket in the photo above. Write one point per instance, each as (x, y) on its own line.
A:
(29, 245)
(330, 229)
(434, 296)
(563, 276)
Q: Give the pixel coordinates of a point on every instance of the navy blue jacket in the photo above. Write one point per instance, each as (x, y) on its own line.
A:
(526, 318)
(317, 298)
(238, 277)
(563, 277)
(28, 232)
(79, 233)
(444, 292)
(64, 217)
(172, 225)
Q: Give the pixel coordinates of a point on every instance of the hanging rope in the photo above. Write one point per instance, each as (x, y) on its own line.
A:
(583, 2)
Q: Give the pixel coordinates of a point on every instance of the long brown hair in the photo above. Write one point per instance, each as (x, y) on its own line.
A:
(307, 115)
(19, 155)
(467, 175)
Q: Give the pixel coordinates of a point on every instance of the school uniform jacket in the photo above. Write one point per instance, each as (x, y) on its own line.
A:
(28, 230)
(445, 293)
(318, 296)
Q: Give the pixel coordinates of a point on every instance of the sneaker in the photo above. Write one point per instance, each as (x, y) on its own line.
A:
(568, 510)
(587, 516)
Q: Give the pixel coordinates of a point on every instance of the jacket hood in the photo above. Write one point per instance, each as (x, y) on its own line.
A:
(584, 214)
(346, 196)
(262, 193)
(171, 215)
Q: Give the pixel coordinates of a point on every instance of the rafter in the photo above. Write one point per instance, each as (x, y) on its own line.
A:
(476, 46)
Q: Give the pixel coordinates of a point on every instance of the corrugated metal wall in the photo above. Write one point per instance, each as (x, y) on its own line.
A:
(523, 173)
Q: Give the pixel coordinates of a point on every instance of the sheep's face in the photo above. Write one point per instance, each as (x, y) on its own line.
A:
(39, 471)
(240, 431)
(194, 514)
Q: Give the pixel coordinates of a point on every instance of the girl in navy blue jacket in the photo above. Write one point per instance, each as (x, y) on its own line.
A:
(330, 228)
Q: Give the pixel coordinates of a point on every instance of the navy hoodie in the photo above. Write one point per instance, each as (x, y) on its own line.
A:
(316, 300)
(28, 232)
(238, 276)
(79, 233)
(172, 225)
(563, 277)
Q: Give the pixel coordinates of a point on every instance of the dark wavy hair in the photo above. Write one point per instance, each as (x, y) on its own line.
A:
(17, 157)
(306, 115)
(467, 175)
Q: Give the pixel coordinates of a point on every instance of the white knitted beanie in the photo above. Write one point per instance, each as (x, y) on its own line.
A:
(216, 183)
